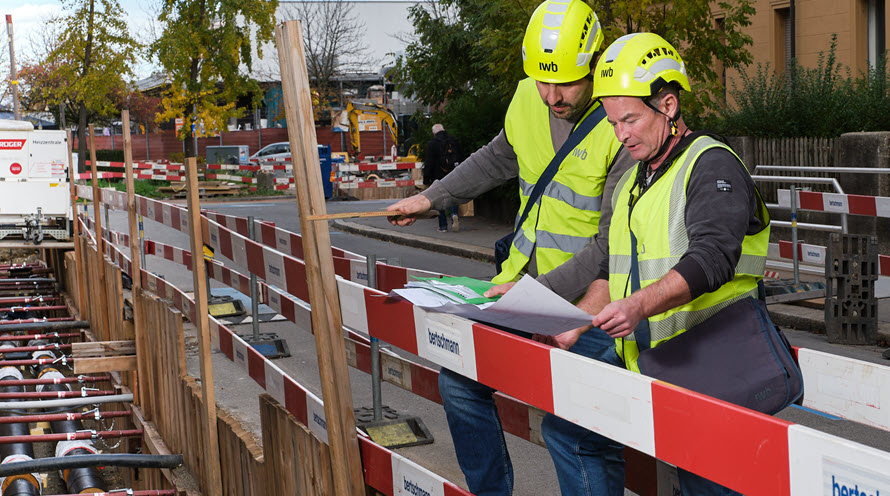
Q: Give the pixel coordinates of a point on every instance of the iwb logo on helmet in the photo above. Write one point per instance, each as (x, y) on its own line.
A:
(606, 72)
(550, 66)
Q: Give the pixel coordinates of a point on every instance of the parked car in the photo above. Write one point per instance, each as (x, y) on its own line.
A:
(275, 151)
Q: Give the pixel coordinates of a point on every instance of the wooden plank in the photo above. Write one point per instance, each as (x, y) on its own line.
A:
(104, 364)
(78, 255)
(323, 294)
(352, 215)
(152, 439)
(135, 260)
(201, 321)
(103, 348)
(102, 316)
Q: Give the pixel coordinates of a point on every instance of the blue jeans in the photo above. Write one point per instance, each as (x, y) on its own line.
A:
(443, 216)
(586, 463)
(476, 427)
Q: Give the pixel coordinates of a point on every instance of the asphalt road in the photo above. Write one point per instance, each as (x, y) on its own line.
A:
(532, 465)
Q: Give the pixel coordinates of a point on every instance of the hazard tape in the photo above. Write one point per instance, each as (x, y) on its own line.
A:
(161, 164)
(379, 183)
(872, 206)
(169, 176)
(752, 457)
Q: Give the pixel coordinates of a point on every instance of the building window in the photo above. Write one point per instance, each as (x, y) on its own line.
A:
(875, 30)
(782, 53)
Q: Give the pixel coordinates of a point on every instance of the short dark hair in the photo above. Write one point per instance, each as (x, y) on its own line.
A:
(671, 88)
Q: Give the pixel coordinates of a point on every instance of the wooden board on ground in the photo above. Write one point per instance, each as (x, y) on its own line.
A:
(205, 188)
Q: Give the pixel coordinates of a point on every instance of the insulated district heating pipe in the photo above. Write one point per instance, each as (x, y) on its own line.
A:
(25, 483)
(82, 479)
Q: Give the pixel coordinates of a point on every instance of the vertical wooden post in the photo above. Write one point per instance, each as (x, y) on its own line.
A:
(83, 308)
(100, 241)
(323, 295)
(135, 265)
(201, 321)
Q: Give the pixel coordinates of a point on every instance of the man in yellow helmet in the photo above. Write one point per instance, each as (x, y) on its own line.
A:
(689, 232)
(559, 50)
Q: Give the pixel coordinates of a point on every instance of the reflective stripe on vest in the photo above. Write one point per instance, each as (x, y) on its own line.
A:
(566, 216)
(663, 240)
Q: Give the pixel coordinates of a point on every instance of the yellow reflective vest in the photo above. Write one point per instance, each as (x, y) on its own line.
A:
(567, 215)
(658, 222)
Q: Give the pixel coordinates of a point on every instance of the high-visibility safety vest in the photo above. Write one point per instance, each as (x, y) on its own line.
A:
(658, 222)
(567, 214)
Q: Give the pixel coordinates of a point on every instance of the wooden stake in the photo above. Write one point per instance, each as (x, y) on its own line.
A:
(201, 321)
(100, 242)
(353, 215)
(323, 295)
(78, 256)
(135, 266)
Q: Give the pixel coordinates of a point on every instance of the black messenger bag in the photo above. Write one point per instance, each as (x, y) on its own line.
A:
(737, 355)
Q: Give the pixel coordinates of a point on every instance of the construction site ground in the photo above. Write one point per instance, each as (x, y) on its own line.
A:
(459, 253)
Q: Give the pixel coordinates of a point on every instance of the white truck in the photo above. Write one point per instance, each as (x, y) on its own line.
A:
(35, 195)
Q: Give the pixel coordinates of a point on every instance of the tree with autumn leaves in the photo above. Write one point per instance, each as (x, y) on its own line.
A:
(86, 68)
(465, 53)
(203, 47)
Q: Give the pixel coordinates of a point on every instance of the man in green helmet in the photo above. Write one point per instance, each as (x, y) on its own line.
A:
(559, 50)
(689, 232)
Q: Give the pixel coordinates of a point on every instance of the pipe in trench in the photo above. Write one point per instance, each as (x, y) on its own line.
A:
(46, 326)
(26, 483)
(82, 461)
(81, 479)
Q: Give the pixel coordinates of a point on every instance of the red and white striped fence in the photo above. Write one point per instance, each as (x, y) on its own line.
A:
(873, 206)
(747, 451)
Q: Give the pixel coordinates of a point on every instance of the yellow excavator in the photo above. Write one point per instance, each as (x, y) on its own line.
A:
(364, 117)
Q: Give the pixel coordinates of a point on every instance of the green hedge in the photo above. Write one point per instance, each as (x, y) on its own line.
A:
(825, 101)
(110, 155)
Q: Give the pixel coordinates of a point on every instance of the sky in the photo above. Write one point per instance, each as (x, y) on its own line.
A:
(29, 15)
(387, 19)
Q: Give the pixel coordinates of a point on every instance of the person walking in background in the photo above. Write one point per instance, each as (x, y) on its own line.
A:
(442, 156)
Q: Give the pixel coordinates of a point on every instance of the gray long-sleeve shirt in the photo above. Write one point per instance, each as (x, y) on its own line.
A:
(495, 164)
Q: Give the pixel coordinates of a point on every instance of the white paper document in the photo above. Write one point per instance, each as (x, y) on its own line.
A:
(528, 307)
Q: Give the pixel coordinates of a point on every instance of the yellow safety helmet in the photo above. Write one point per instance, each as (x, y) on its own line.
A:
(560, 41)
(638, 64)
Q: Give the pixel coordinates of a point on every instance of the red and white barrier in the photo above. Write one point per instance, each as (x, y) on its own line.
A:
(379, 183)
(873, 206)
(817, 255)
(367, 166)
(757, 455)
(385, 470)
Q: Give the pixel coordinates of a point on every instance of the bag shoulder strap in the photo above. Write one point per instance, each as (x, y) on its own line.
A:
(578, 134)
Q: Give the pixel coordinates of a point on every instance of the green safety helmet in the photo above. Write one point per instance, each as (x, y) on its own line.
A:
(560, 41)
(639, 64)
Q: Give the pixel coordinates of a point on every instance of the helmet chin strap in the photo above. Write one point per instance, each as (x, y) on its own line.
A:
(675, 129)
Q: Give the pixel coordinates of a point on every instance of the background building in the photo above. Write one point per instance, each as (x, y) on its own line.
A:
(800, 29)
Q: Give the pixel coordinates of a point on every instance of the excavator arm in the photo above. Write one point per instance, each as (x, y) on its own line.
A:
(355, 111)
